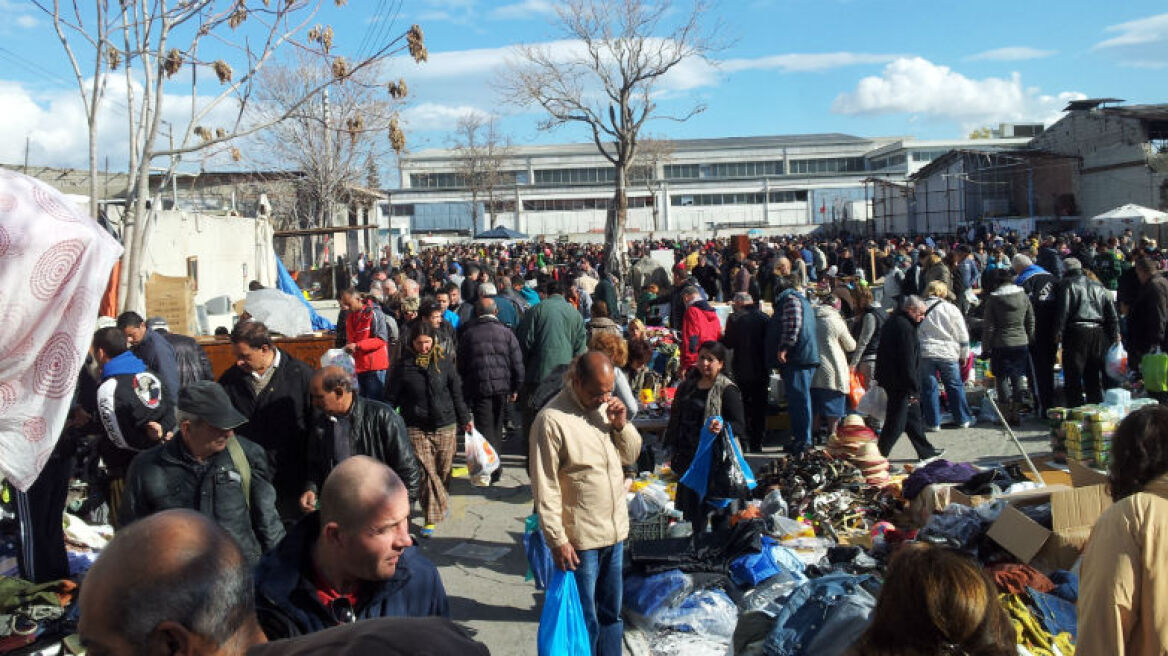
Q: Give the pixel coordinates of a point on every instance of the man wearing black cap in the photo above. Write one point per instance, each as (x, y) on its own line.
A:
(205, 467)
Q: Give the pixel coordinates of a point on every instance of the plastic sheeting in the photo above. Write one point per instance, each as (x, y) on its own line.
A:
(281, 313)
(286, 284)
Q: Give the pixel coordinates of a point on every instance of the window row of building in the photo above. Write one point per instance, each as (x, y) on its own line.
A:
(755, 198)
(720, 171)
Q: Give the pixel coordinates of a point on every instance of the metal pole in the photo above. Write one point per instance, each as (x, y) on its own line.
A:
(1010, 433)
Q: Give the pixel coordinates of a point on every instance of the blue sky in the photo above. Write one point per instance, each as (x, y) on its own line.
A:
(928, 69)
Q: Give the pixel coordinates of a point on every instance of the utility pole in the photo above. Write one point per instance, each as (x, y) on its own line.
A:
(26, 143)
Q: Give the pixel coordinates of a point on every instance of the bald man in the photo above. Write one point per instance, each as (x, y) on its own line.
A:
(176, 583)
(172, 583)
(580, 442)
(349, 424)
(354, 559)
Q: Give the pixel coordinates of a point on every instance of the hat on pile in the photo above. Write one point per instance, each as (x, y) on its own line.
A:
(872, 464)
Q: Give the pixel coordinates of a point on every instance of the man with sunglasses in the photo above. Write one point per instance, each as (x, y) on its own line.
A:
(353, 559)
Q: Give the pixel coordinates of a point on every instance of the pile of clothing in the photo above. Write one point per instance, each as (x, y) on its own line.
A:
(30, 612)
(747, 590)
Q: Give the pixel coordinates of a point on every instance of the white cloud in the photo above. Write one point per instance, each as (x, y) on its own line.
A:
(1142, 42)
(27, 22)
(805, 62)
(524, 10)
(1011, 53)
(436, 116)
(54, 123)
(920, 87)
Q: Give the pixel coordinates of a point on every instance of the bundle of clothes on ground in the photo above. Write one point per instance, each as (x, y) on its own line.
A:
(798, 568)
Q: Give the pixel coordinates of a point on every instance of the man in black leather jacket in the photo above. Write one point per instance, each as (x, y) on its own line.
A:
(349, 425)
(200, 469)
(1089, 325)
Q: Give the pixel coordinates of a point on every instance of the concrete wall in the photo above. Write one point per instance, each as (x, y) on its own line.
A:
(231, 251)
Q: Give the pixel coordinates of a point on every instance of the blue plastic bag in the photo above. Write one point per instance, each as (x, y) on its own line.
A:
(539, 557)
(644, 596)
(561, 624)
(736, 471)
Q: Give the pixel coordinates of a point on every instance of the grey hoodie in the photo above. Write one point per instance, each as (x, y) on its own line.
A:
(1009, 318)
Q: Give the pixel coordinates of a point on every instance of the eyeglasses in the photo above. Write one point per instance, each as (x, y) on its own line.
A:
(342, 610)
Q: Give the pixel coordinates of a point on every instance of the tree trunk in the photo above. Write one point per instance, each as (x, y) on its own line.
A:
(93, 163)
(616, 258)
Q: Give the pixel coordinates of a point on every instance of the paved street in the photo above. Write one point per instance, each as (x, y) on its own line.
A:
(495, 600)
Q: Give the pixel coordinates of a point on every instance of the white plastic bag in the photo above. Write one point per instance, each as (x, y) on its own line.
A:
(1116, 362)
(874, 403)
(481, 458)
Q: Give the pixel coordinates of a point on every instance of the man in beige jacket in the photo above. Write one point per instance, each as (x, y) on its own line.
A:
(580, 442)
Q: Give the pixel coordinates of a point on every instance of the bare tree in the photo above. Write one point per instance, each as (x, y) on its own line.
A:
(154, 41)
(621, 49)
(652, 154)
(334, 140)
(482, 153)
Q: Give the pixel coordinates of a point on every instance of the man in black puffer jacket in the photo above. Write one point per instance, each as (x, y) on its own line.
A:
(351, 425)
(491, 364)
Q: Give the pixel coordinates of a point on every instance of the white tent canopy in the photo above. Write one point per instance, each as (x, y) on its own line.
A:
(1124, 217)
(1134, 214)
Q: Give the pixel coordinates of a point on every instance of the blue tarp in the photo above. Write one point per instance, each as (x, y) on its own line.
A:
(286, 284)
(501, 232)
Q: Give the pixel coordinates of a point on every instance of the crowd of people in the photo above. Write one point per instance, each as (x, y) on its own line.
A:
(313, 473)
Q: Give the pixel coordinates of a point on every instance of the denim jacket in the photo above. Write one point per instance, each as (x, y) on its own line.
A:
(823, 617)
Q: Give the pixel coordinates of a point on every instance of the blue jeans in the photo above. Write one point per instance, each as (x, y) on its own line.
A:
(598, 577)
(954, 389)
(797, 385)
(372, 384)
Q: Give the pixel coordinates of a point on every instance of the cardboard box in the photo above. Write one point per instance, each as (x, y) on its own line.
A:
(1073, 514)
(173, 299)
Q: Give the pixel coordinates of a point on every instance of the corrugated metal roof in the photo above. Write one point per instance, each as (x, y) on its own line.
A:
(721, 143)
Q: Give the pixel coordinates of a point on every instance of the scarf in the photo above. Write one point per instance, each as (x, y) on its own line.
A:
(424, 360)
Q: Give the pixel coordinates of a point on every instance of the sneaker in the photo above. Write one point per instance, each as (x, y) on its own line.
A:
(932, 429)
(428, 530)
(482, 480)
(937, 454)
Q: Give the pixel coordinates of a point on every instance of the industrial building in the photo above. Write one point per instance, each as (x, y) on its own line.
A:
(692, 186)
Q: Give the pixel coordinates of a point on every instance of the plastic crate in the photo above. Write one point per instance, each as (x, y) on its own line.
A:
(648, 529)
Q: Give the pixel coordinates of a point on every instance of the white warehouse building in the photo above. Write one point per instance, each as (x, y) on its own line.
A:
(775, 183)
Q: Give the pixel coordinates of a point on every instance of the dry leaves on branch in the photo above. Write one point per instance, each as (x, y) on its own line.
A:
(172, 63)
(417, 44)
(322, 35)
(397, 138)
(114, 57)
(341, 68)
(236, 155)
(238, 16)
(397, 90)
(222, 71)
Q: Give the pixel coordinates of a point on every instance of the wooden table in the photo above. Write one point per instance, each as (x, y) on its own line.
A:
(308, 348)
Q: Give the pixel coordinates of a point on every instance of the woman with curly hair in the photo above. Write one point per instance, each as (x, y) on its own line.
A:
(617, 350)
(935, 601)
(1123, 593)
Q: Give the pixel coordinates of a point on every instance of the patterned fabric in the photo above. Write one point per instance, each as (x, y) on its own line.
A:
(435, 451)
(54, 265)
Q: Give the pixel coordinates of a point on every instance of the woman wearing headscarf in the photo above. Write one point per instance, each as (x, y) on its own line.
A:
(424, 384)
(706, 392)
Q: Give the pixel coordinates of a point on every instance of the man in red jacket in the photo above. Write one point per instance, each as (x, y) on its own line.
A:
(700, 325)
(367, 339)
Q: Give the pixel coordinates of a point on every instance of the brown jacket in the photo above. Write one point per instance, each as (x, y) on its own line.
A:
(576, 473)
(1123, 594)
